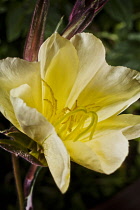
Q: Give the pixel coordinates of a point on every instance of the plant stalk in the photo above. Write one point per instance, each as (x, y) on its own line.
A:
(29, 185)
(17, 176)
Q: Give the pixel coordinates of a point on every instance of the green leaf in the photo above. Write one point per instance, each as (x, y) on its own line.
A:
(22, 139)
(125, 53)
(120, 10)
(15, 21)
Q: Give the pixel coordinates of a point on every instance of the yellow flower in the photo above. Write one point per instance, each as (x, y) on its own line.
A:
(69, 101)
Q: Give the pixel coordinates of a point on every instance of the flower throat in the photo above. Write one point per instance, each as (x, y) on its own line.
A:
(75, 124)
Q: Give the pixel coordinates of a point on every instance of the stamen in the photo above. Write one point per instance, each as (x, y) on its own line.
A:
(91, 126)
(91, 107)
(76, 130)
(48, 112)
(72, 127)
(68, 115)
(94, 123)
(52, 99)
(76, 124)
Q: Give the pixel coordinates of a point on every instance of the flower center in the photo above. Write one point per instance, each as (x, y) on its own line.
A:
(75, 124)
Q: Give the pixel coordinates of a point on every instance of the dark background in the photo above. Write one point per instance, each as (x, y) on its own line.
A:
(118, 26)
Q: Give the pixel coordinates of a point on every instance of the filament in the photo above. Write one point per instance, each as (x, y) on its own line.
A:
(72, 126)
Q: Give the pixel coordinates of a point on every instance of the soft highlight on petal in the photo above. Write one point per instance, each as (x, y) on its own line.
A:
(32, 123)
(13, 73)
(25, 93)
(91, 53)
(49, 50)
(61, 73)
(111, 90)
(104, 154)
(58, 161)
(111, 149)
(127, 123)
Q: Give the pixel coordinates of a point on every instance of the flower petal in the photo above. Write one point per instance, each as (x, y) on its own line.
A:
(91, 53)
(39, 129)
(59, 70)
(83, 155)
(26, 93)
(111, 91)
(58, 161)
(103, 154)
(13, 73)
(127, 123)
(48, 50)
(32, 123)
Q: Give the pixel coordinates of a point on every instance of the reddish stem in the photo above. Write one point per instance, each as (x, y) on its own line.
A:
(36, 33)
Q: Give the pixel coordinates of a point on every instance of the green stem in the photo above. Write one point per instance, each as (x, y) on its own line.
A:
(18, 181)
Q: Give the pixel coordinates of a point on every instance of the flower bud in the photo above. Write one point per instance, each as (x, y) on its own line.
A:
(36, 32)
(82, 15)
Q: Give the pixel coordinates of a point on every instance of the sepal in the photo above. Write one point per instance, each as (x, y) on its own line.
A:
(16, 142)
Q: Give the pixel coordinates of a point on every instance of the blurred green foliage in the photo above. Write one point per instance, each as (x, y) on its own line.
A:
(118, 25)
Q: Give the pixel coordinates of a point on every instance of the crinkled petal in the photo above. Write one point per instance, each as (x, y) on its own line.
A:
(58, 161)
(6, 108)
(26, 93)
(104, 154)
(91, 53)
(127, 123)
(13, 73)
(111, 91)
(32, 123)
